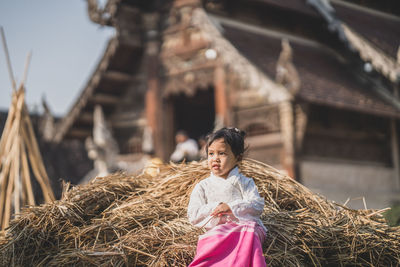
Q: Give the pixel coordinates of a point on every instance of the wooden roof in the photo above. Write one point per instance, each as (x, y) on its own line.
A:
(320, 70)
(325, 78)
(314, 19)
(383, 33)
(381, 29)
(106, 86)
(317, 20)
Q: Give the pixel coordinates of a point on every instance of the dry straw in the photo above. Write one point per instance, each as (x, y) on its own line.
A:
(123, 220)
(19, 154)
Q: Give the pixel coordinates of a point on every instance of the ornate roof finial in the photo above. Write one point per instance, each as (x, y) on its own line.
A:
(47, 127)
(286, 73)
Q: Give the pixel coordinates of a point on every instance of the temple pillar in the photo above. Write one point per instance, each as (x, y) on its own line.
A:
(153, 95)
(221, 100)
(288, 137)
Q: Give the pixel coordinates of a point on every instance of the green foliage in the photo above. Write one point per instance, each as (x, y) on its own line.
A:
(393, 215)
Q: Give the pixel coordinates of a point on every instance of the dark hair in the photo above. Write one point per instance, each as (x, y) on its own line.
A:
(232, 136)
(182, 132)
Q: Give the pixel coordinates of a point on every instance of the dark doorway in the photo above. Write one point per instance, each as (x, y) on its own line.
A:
(194, 114)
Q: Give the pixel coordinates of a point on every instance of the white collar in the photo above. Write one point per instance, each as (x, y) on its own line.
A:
(233, 173)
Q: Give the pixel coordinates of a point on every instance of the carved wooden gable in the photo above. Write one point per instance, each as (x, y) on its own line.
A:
(187, 64)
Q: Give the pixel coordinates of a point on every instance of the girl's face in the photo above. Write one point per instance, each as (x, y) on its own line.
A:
(220, 158)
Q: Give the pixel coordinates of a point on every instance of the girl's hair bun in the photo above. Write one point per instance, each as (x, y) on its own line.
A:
(238, 131)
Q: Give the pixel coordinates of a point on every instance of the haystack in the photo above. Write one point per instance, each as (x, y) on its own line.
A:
(140, 220)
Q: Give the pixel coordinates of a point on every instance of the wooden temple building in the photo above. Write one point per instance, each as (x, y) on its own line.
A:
(314, 83)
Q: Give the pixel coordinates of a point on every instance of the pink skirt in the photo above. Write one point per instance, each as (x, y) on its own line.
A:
(231, 244)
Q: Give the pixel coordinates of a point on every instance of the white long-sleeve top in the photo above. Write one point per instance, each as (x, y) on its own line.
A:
(237, 191)
(188, 149)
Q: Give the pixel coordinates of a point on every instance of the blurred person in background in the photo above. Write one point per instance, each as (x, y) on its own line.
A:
(186, 148)
(202, 141)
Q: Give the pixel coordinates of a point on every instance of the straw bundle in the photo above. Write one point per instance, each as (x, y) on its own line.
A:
(123, 220)
(19, 154)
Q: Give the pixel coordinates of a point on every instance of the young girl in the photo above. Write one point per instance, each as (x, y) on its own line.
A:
(228, 205)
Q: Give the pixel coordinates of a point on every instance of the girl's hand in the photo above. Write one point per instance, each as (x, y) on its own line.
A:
(221, 209)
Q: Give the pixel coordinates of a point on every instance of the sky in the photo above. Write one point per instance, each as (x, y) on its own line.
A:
(66, 47)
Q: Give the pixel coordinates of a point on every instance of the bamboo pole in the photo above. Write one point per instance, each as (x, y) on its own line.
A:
(19, 188)
(24, 194)
(38, 160)
(47, 192)
(26, 68)
(10, 72)
(16, 99)
(7, 170)
(26, 175)
(4, 164)
(17, 177)
(14, 161)
(10, 185)
(4, 181)
(15, 126)
(7, 126)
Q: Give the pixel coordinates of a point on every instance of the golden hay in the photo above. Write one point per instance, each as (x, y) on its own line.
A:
(123, 220)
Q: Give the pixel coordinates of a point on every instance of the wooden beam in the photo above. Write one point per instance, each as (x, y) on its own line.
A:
(343, 133)
(104, 99)
(294, 5)
(131, 41)
(86, 117)
(267, 32)
(202, 66)
(369, 11)
(265, 140)
(79, 133)
(118, 76)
